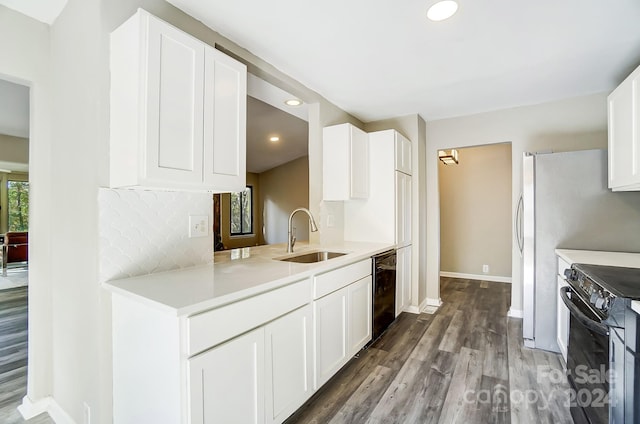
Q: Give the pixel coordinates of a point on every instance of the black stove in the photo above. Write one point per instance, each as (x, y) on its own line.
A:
(603, 335)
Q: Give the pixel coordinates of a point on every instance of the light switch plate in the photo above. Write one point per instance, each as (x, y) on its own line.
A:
(198, 226)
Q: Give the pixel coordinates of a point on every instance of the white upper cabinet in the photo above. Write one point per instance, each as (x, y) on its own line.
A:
(178, 110)
(624, 135)
(225, 122)
(403, 209)
(345, 163)
(403, 153)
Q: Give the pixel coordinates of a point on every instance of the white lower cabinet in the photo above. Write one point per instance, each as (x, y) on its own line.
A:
(227, 384)
(288, 344)
(262, 376)
(342, 319)
(360, 314)
(256, 360)
(331, 335)
(403, 279)
(562, 313)
(563, 322)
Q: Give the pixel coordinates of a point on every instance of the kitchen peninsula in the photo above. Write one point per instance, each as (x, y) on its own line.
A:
(197, 340)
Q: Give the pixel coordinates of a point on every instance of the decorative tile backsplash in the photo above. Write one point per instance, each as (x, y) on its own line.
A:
(144, 232)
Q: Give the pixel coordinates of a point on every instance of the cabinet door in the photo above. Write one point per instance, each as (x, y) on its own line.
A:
(225, 106)
(624, 136)
(345, 163)
(359, 164)
(226, 383)
(330, 335)
(562, 326)
(403, 209)
(403, 154)
(403, 279)
(174, 106)
(360, 314)
(288, 363)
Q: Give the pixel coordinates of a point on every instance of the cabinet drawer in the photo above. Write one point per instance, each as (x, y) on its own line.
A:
(331, 281)
(562, 265)
(213, 327)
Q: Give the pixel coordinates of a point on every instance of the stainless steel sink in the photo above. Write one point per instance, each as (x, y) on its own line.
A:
(312, 257)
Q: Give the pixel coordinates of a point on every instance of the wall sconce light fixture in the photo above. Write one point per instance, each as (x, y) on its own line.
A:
(448, 158)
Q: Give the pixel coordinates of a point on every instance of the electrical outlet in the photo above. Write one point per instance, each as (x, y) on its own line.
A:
(485, 269)
(198, 226)
(330, 221)
(86, 412)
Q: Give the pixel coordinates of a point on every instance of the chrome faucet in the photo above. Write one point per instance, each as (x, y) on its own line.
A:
(291, 240)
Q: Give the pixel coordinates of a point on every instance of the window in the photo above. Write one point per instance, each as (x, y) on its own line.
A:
(18, 193)
(241, 212)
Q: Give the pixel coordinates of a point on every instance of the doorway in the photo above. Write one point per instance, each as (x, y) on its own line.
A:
(475, 213)
(14, 236)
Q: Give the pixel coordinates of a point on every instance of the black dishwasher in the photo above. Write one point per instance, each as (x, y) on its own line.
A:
(384, 291)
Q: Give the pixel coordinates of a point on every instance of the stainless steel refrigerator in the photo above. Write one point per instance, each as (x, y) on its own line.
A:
(566, 204)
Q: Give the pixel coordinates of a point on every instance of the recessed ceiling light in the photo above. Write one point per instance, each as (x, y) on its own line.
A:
(293, 102)
(274, 138)
(442, 10)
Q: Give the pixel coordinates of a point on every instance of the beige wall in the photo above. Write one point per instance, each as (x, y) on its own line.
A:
(225, 218)
(573, 124)
(14, 149)
(475, 210)
(283, 189)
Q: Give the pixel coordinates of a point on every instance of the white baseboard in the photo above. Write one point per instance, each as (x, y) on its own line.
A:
(482, 277)
(29, 409)
(515, 313)
(417, 309)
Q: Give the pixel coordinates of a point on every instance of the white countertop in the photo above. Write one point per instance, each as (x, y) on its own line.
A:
(627, 260)
(235, 274)
(592, 257)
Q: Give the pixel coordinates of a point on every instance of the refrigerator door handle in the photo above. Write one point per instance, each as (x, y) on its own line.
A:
(518, 225)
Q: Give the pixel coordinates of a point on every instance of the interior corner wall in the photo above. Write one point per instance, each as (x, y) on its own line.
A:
(573, 124)
(475, 210)
(25, 53)
(283, 189)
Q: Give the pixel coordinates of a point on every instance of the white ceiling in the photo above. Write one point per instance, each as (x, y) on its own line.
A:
(378, 59)
(43, 10)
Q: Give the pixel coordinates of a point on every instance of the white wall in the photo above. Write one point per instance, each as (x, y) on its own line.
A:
(24, 49)
(283, 189)
(573, 124)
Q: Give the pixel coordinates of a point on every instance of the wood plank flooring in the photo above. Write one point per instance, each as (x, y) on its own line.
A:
(13, 356)
(464, 364)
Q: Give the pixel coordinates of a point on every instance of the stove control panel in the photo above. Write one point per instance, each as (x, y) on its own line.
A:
(597, 296)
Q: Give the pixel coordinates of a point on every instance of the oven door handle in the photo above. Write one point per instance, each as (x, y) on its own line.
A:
(592, 325)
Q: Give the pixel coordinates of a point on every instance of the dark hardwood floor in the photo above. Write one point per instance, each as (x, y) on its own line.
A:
(13, 356)
(464, 364)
